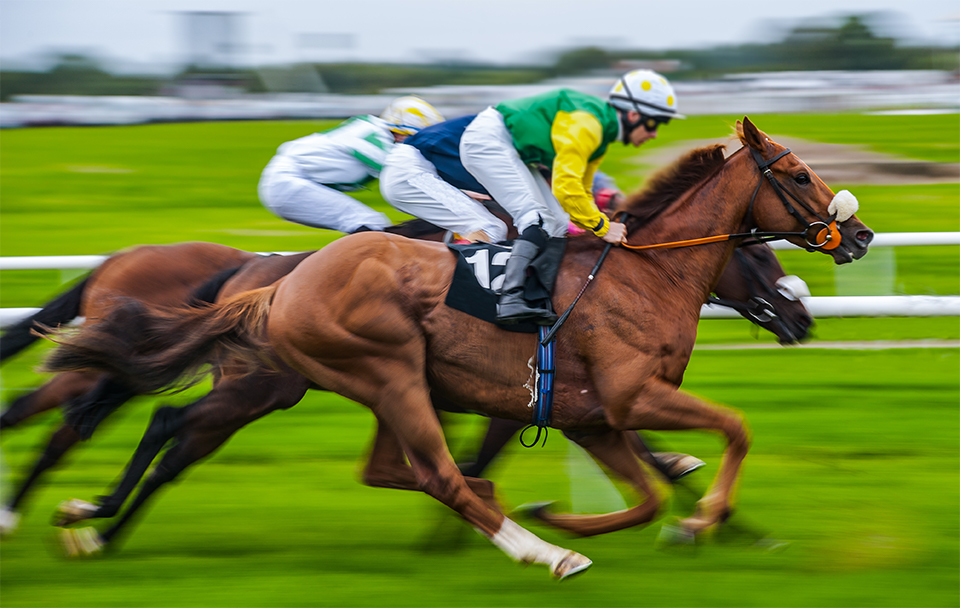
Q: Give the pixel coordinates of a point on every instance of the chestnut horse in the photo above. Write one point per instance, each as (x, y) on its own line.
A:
(365, 317)
(237, 400)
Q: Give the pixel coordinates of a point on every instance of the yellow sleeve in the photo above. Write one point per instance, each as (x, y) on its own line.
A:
(589, 175)
(576, 136)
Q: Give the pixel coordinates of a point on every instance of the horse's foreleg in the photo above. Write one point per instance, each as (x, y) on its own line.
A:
(661, 407)
(614, 450)
(57, 391)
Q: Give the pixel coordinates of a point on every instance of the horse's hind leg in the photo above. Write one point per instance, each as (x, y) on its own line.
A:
(387, 468)
(173, 462)
(166, 422)
(59, 444)
(413, 419)
(660, 407)
(53, 393)
(207, 424)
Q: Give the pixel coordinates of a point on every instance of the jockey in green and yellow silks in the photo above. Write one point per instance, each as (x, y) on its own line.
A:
(569, 132)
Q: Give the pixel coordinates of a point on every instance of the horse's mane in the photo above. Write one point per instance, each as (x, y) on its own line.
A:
(670, 183)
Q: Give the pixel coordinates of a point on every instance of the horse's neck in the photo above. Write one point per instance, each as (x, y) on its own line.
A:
(715, 207)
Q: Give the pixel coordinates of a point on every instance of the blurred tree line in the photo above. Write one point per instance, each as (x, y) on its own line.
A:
(849, 45)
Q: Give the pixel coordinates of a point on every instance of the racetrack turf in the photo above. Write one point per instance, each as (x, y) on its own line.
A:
(854, 460)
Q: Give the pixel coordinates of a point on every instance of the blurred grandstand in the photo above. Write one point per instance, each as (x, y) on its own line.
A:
(774, 92)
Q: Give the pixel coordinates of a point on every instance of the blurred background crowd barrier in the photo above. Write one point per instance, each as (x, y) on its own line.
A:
(762, 93)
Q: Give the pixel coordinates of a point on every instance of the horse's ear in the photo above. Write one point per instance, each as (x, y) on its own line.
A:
(750, 135)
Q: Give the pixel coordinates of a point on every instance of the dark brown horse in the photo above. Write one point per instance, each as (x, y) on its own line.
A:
(365, 317)
(157, 275)
(236, 400)
(164, 275)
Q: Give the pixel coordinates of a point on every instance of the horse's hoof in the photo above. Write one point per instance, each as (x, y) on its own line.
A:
(81, 542)
(570, 565)
(531, 510)
(673, 535)
(9, 520)
(676, 466)
(71, 511)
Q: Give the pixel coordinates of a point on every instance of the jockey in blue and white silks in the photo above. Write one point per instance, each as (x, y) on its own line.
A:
(423, 176)
(306, 180)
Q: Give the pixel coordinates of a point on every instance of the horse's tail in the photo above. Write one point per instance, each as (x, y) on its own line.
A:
(62, 309)
(151, 351)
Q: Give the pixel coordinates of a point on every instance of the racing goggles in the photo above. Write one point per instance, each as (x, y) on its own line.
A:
(650, 123)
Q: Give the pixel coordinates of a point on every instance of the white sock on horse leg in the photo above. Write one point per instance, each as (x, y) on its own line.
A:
(524, 546)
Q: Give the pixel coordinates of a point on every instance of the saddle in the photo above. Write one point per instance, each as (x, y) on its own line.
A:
(475, 289)
(479, 275)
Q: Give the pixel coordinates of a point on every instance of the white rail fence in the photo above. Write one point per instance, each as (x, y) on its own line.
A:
(822, 307)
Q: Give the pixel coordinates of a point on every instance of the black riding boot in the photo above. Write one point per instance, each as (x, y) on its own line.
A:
(512, 307)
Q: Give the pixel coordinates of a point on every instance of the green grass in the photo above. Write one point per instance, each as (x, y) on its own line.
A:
(854, 463)
(854, 458)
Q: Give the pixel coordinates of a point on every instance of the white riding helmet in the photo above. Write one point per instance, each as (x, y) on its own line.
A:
(647, 92)
(407, 115)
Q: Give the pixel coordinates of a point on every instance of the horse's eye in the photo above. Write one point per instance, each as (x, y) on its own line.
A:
(802, 179)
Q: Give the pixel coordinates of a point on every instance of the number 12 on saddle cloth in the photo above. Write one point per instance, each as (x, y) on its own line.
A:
(475, 289)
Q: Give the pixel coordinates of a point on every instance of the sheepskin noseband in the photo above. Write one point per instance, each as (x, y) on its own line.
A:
(844, 204)
(792, 287)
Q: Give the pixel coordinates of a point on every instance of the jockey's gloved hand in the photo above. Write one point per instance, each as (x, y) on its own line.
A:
(616, 234)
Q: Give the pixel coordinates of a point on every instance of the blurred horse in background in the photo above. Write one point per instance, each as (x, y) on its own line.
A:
(365, 317)
(157, 275)
(163, 275)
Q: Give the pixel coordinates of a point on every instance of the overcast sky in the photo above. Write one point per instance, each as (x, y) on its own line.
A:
(151, 32)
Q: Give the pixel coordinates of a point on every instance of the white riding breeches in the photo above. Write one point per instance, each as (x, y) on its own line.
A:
(488, 153)
(410, 183)
(287, 193)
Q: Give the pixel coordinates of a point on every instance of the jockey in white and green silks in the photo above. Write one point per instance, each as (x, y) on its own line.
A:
(306, 180)
(569, 132)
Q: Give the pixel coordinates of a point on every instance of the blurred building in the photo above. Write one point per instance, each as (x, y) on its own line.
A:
(211, 39)
(213, 48)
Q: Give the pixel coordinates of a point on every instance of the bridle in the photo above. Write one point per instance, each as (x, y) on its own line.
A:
(819, 234)
(758, 307)
(827, 235)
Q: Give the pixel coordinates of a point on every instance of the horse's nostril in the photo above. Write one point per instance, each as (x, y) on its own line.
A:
(864, 237)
